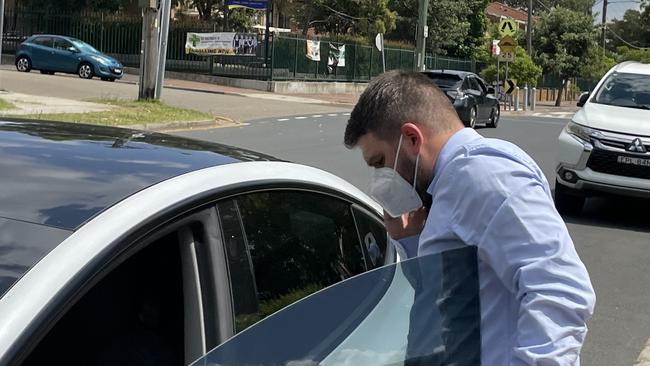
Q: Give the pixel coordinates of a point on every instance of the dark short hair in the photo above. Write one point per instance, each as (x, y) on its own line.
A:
(395, 98)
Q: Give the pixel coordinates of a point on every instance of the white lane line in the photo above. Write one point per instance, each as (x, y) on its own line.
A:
(317, 116)
(301, 117)
(346, 114)
(282, 119)
(644, 356)
(332, 115)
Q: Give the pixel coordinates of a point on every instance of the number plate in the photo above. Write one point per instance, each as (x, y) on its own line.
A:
(634, 161)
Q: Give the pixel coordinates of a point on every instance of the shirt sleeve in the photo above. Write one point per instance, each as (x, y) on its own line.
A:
(406, 247)
(504, 208)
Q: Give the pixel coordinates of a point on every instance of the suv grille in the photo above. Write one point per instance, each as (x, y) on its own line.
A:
(606, 162)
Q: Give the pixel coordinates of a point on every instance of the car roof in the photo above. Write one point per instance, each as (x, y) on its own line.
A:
(61, 175)
(461, 74)
(633, 67)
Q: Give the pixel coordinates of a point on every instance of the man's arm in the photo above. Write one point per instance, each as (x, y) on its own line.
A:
(522, 238)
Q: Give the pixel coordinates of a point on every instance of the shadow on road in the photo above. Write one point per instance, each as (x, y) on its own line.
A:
(614, 212)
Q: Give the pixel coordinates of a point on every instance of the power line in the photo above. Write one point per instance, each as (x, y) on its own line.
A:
(544, 5)
(626, 42)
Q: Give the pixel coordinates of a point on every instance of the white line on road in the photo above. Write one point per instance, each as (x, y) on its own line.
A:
(332, 115)
(282, 119)
(346, 114)
(317, 116)
(301, 117)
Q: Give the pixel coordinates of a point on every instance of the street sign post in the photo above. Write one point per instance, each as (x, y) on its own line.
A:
(508, 27)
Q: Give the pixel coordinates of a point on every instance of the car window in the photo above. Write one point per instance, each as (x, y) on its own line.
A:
(289, 245)
(466, 84)
(445, 81)
(424, 311)
(625, 90)
(373, 237)
(474, 84)
(43, 41)
(61, 44)
(481, 85)
(143, 309)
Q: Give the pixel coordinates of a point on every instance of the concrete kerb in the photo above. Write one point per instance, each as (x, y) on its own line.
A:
(217, 122)
(644, 357)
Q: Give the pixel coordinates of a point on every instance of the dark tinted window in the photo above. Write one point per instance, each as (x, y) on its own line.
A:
(61, 44)
(445, 81)
(297, 244)
(481, 85)
(466, 84)
(372, 235)
(474, 84)
(625, 90)
(43, 41)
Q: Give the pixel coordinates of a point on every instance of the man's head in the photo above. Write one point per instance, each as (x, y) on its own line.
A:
(408, 104)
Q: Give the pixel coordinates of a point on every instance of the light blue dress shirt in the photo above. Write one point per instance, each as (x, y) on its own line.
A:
(535, 292)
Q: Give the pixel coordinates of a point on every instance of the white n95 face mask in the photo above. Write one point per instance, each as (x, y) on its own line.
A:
(393, 192)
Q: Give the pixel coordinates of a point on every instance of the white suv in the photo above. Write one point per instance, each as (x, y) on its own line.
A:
(605, 149)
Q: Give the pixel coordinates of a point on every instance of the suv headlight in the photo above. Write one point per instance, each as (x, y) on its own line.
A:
(582, 132)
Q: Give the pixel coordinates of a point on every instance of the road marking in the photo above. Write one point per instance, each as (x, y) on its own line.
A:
(346, 114)
(301, 117)
(332, 115)
(317, 116)
(644, 356)
(282, 119)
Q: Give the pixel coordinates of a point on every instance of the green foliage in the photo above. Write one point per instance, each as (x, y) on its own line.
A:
(562, 39)
(628, 54)
(456, 28)
(596, 64)
(584, 6)
(523, 70)
(634, 28)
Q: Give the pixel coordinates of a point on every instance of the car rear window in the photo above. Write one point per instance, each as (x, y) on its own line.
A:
(445, 81)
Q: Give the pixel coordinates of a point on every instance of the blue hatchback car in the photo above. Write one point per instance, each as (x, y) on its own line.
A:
(52, 53)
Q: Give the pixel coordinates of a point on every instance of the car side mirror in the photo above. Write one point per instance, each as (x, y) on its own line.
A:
(584, 97)
(73, 50)
(491, 90)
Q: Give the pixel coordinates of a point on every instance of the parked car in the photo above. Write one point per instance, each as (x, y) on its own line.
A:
(51, 53)
(118, 245)
(605, 149)
(475, 102)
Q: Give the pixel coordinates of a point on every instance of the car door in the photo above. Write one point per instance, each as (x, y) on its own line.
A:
(480, 97)
(284, 245)
(42, 52)
(424, 311)
(154, 302)
(63, 59)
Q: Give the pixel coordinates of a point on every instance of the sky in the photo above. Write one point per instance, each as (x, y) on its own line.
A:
(616, 8)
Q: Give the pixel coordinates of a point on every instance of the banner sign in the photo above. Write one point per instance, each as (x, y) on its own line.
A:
(212, 44)
(250, 4)
(336, 57)
(313, 50)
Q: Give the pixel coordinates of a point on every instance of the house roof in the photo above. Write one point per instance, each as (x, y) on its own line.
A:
(500, 10)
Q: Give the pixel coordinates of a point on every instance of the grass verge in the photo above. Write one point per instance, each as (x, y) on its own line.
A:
(129, 112)
(4, 105)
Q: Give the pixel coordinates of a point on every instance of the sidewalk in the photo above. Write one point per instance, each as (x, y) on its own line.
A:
(33, 105)
(546, 110)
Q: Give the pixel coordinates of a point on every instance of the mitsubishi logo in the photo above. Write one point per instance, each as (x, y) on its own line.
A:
(637, 146)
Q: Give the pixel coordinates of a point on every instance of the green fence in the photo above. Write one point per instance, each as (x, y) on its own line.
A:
(362, 62)
(119, 35)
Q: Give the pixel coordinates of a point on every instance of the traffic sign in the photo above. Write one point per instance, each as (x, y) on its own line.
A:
(508, 27)
(508, 56)
(507, 44)
(495, 48)
(510, 86)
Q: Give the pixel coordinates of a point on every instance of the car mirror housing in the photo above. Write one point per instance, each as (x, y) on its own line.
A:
(491, 90)
(584, 97)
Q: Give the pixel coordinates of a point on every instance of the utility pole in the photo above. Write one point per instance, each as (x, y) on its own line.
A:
(149, 50)
(2, 25)
(422, 33)
(165, 15)
(604, 25)
(530, 28)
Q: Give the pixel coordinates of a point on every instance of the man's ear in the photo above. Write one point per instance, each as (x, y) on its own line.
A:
(413, 137)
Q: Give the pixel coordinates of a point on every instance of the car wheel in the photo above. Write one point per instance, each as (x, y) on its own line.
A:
(86, 71)
(494, 118)
(24, 64)
(567, 202)
(473, 115)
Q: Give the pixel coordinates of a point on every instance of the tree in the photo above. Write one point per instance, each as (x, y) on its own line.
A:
(585, 6)
(562, 40)
(523, 70)
(596, 64)
(456, 28)
(628, 54)
(634, 28)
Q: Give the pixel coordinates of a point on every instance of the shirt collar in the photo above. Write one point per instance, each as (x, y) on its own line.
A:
(449, 150)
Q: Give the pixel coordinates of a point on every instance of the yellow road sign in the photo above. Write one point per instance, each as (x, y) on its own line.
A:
(509, 86)
(506, 56)
(508, 27)
(507, 44)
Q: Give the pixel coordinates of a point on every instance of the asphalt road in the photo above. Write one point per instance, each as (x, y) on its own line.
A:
(612, 236)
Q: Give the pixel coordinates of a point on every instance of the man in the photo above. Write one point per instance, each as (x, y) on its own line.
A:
(445, 187)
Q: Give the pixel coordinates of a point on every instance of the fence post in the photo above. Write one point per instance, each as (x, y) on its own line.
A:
(516, 99)
(533, 101)
(400, 59)
(526, 97)
(295, 57)
(354, 64)
(370, 68)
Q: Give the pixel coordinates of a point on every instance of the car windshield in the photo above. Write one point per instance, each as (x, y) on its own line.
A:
(83, 46)
(446, 81)
(625, 90)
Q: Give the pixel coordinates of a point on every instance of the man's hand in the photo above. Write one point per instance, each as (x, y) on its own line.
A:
(406, 225)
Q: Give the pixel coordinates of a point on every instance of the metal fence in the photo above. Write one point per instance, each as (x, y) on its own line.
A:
(362, 62)
(119, 35)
